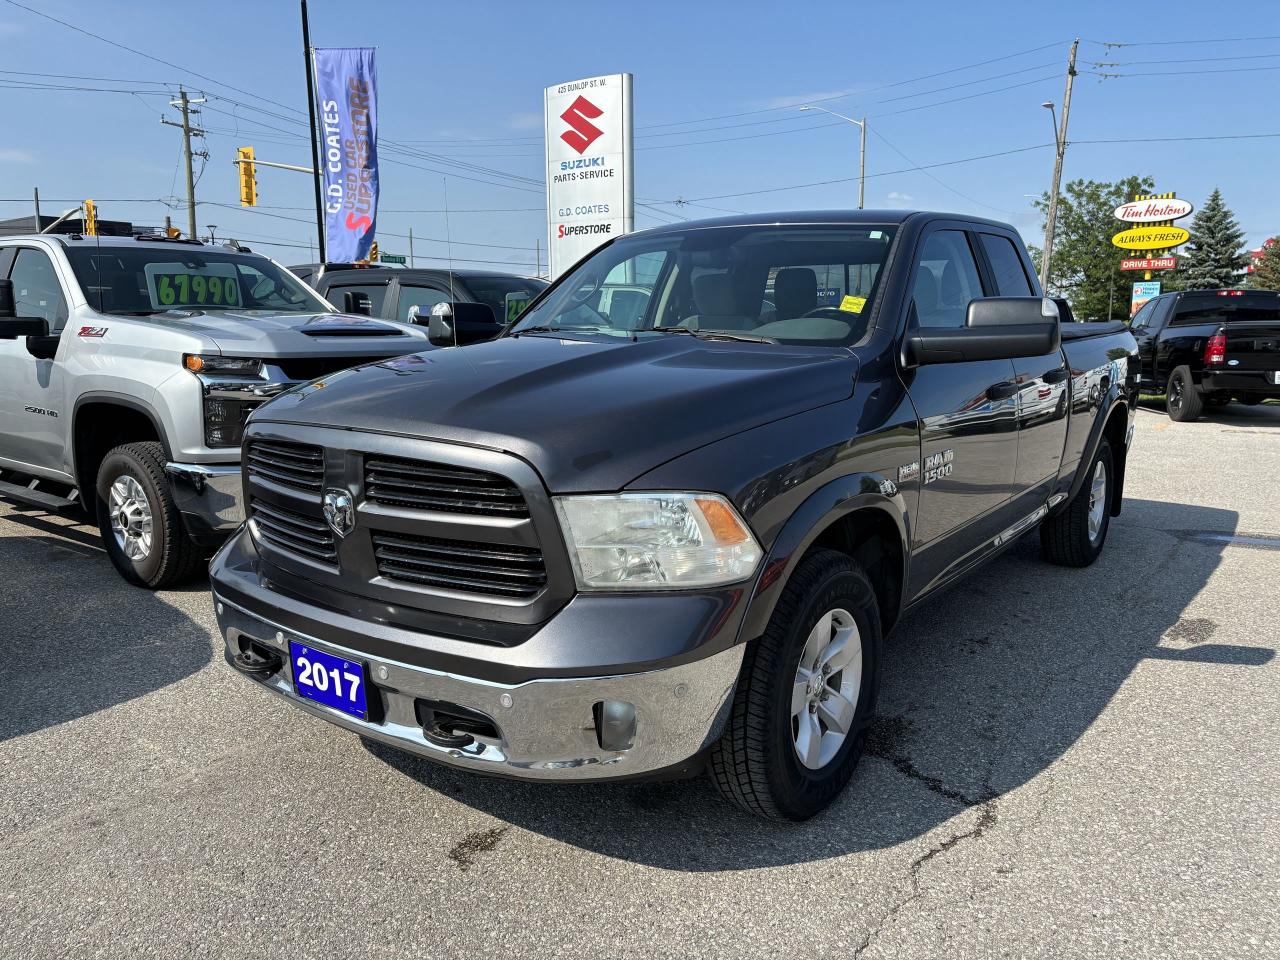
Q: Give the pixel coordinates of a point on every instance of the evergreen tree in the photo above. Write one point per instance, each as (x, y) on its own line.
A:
(1266, 275)
(1215, 253)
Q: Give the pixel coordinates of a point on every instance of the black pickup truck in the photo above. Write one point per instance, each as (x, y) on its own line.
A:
(607, 546)
(1209, 347)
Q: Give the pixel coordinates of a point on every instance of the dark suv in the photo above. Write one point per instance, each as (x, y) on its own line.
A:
(408, 295)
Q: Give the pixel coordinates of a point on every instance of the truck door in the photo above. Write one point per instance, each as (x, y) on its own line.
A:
(32, 417)
(967, 413)
(1043, 381)
(1146, 330)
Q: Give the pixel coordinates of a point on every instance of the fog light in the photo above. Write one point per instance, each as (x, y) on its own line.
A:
(615, 724)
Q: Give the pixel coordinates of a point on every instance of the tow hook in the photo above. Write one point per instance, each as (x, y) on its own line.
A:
(256, 660)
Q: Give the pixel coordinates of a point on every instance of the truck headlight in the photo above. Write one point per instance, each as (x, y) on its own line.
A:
(214, 363)
(656, 541)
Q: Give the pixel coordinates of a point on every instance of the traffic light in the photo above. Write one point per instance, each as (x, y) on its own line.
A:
(248, 181)
(373, 252)
(90, 219)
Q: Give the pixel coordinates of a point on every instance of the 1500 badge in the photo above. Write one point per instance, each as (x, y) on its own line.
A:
(938, 465)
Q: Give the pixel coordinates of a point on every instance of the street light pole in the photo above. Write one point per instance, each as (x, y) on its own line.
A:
(862, 148)
(1060, 145)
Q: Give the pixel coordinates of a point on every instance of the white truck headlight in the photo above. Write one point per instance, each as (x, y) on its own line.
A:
(656, 541)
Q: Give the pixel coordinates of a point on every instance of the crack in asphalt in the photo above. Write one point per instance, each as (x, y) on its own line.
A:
(884, 740)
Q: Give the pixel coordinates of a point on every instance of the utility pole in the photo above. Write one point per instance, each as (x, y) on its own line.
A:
(315, 143)
(184, 103)
(1060, 134)
(411, 247)
(37, 190)
(862, 164)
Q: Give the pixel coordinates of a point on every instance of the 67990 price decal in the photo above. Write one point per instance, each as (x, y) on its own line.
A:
(334, 681)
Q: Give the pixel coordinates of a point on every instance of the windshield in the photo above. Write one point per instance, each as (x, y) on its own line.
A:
(154, 278)
(798, 284)
(1227, 306)
(506, 296)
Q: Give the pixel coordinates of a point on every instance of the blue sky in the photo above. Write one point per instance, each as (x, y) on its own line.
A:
(462, 83)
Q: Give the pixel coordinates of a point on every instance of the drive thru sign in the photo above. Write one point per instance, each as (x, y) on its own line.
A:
(589, 191)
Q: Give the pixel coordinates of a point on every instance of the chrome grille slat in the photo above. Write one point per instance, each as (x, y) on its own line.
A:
(435, 486)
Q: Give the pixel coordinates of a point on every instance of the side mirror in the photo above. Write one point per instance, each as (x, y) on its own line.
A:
(996, 328)
(458, 324)
(13, 326)
(353, 301)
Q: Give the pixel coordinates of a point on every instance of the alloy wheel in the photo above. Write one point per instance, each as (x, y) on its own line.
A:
(828, 681)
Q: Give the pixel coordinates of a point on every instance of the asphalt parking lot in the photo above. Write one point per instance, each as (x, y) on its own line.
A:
(1066, 763)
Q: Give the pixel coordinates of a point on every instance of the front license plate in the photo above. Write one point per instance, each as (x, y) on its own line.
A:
(334, 681)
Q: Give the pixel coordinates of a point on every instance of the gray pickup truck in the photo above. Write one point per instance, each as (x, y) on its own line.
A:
(635, 536)
(128, 367)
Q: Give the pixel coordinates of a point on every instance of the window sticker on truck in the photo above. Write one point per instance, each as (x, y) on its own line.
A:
(197, 284)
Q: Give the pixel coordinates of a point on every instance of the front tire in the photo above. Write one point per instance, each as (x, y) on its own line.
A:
(138, 520)
(1074, 536)
(1183, 401)
(805, 696)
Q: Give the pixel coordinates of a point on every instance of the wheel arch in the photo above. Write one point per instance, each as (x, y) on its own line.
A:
(101, 421)
(853, 516)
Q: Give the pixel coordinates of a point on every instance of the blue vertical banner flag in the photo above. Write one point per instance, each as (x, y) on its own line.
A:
(346, 88)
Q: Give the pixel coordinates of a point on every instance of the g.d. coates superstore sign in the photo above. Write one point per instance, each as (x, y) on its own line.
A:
(589, 192)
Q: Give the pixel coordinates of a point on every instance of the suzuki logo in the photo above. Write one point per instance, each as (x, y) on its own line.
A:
(339, 511)
(583, 132)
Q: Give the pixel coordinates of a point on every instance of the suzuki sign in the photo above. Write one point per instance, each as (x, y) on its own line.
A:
(589, 190)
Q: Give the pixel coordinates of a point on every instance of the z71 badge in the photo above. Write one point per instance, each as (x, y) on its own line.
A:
(938, 465)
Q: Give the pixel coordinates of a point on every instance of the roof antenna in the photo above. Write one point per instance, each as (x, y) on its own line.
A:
(448, 237)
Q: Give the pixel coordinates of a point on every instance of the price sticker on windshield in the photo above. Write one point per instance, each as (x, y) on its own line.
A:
(516, 302)
(176, 285)
(853, 304)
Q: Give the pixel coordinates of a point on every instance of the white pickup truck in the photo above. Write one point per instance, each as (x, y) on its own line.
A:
(127, 369)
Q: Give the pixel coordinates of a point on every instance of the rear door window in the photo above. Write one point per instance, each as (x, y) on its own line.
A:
(1006, 266)
(416, 301)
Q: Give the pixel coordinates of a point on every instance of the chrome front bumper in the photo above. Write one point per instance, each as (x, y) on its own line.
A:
(208, 497)
(546, 728)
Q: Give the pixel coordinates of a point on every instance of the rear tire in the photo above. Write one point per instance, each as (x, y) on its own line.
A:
(138, 520)
(1074, 536)
(1182, 400)
(787, 763)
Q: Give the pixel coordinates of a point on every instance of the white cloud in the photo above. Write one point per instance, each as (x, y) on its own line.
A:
(799, 100)
(896, 198)
(12, 155)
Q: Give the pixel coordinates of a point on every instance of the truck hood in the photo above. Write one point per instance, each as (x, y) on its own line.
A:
(588, 415)
(258, 333)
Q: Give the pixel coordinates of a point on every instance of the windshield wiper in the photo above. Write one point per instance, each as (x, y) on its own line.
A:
(545, 329)
(716, 335)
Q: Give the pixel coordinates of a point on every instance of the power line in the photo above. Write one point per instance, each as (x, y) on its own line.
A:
(942, 183)
(1169, 43)
(1107, 75)
(886, 173)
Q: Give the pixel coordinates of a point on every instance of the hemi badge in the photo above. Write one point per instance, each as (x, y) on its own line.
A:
(909, 472)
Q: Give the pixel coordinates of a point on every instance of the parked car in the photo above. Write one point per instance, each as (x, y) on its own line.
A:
(408, 295)
(1211, 347)
(127, 369)
(598, 548)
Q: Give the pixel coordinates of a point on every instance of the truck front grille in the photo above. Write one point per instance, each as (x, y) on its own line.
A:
(501, 570)
(436, 486)
(290, 531)
(297, 465)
